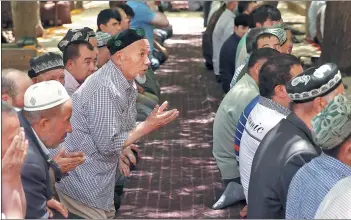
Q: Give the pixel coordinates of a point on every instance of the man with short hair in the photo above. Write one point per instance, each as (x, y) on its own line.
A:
(14, 84)
(225, 124)
(129, 12)
(331, 131)
(288, 146)
(79, 59)
(226, 61)
(14, 149)
(104, 125)
(251, 38)
(125, 22)
(264, 16)
(264, 112)
(46, 121)
(109, 21)
(48, 66)
(224, 28)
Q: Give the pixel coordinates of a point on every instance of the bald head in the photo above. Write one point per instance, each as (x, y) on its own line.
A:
(14, 84)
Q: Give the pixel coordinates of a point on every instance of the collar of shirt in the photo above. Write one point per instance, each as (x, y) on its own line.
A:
(236, 36)
(70, 81)
(42, 146)
(118, 77)
(337, 165)
(251, 81)
(269, 103)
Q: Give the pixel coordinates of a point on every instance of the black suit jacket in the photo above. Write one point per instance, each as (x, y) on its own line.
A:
(282, 152)
(35, 175)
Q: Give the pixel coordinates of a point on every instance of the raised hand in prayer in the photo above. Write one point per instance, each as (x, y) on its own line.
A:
(159, 117)
(54, 204)
(12, 190)
(12, 161)
(68, 161)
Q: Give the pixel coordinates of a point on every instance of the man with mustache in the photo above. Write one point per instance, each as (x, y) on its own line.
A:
(104, 127)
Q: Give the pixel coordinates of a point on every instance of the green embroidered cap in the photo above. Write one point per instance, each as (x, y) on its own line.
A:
(124, 39)
(276, 31)
(332, 126)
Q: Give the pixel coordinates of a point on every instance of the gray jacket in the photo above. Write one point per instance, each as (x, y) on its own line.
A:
(35, 175)
(282, 152)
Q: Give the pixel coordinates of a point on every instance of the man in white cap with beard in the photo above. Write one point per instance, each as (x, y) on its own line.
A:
(46, 121)
(104, 127)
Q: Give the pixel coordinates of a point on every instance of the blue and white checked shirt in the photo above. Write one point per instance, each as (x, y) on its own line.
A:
(311, 184)
(103, 114)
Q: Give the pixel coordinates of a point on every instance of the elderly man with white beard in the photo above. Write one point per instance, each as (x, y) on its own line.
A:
(145, 101)
(104, 126)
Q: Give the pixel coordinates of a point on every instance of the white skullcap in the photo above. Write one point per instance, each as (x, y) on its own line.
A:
(45, 95)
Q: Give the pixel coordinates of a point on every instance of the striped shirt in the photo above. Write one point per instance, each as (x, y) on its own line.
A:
(241, 126)
(238, 71)
(103, 114)
(263, 117)
(311, 184)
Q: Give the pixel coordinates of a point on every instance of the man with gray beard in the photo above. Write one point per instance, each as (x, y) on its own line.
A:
(104, 127)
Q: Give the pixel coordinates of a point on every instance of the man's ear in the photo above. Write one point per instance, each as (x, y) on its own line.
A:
(34, 80)
(257, 67)
(280, 91)
(102, 27)
(69, 64)
(43, 124)
(347, 150)
(318, 104)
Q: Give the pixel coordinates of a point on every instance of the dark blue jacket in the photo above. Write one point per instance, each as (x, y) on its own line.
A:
(35, 175)
(227, 60)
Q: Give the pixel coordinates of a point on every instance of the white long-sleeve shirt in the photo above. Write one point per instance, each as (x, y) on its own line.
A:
(223, 29)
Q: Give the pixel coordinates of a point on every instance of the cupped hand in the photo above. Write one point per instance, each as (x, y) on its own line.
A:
(68, 161)
(159, 117)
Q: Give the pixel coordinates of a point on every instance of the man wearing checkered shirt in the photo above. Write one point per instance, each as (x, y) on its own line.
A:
(331, 131)
(104, 126)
